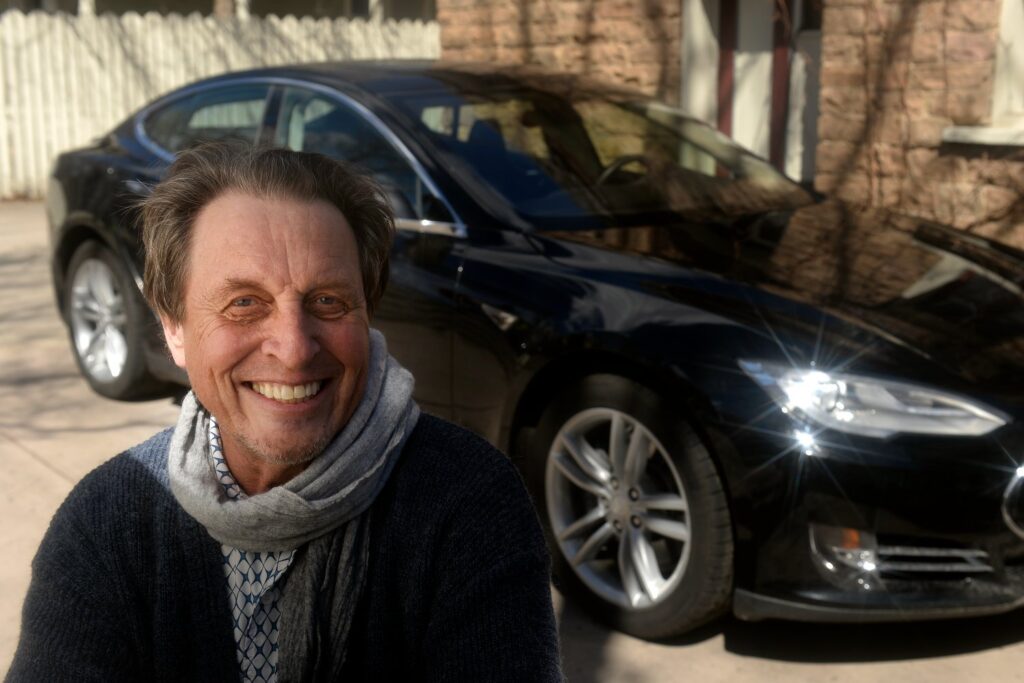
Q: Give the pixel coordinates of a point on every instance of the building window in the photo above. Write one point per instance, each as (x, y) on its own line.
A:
(310, 8)
(69, 6)
(159, 6)
(425, 10)
(1007, 127)
(810, 15)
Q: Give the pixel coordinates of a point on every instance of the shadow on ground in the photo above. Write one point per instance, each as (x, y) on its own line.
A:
(835, 643)
(586, 643)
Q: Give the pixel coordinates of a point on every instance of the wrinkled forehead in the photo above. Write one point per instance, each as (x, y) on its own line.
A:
(279, 240)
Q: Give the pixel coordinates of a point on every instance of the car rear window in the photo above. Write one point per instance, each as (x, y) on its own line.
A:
(234, 113)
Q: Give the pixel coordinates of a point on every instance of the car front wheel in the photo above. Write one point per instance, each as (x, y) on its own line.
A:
(633, 507)
(106, 321)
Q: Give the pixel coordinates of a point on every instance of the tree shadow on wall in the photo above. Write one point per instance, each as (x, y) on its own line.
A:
(889, 78)
(653, 17)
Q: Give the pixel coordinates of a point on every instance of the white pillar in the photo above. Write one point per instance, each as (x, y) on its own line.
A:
(802, 121)
(699, 91)
(376, 10)
(1008, 87)
(86, 8)
(752, 84)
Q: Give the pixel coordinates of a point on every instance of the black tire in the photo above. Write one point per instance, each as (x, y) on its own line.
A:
(130, 380)
(698, 580)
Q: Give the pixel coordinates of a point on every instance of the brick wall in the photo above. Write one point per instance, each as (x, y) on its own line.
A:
(893, 76)
(630, 42)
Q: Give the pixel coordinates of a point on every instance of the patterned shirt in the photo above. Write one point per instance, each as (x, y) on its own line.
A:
(252, 586)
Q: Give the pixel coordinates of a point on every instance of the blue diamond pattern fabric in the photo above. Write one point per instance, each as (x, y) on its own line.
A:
(253, 579)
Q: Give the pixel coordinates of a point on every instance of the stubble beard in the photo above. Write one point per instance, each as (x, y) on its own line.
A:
(296, 455)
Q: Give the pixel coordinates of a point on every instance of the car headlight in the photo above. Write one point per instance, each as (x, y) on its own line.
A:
(869, 406)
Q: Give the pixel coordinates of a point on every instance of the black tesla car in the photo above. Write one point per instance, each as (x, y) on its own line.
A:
(722, 391)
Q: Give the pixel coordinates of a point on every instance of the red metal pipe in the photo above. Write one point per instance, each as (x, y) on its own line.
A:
(782, 27)
(728, 27)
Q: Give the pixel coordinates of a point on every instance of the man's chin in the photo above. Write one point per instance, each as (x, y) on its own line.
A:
(284, 453)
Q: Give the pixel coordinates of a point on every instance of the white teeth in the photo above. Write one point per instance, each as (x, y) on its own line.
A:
(287, 393)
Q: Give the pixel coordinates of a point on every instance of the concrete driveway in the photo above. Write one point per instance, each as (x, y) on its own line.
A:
(53, 430)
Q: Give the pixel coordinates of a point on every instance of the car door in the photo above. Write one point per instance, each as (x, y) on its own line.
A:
(416, 310)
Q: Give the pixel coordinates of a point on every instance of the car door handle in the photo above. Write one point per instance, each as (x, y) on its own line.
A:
(427, 227)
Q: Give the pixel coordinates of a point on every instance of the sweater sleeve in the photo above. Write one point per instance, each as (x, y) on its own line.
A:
(492, 617)
(74, 625)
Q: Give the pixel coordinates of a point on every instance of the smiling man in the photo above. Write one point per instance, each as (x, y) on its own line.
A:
(303, 521)
(276, 338)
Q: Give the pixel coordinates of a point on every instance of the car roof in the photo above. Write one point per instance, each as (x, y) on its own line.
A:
(390, 77)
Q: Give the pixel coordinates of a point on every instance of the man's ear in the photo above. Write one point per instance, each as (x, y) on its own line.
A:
(174, 334)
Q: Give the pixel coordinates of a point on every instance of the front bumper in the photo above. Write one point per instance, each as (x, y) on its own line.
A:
(932, 519)
(749, 606)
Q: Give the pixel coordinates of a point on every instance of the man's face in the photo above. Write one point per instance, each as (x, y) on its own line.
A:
(275, 337)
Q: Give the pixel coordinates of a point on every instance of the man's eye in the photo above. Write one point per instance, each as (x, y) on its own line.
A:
(328, 305)
(243, 302)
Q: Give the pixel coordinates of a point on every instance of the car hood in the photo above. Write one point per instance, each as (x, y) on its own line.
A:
(949, 297)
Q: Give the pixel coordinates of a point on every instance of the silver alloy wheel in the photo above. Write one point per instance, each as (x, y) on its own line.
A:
(98, 320)
(618, 508)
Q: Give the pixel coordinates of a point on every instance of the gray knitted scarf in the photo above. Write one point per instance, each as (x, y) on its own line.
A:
(320, 512)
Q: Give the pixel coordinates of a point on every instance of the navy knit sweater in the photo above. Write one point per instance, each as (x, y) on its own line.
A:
(127, 587)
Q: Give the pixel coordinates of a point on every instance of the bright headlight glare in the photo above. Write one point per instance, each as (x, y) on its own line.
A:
(871, 406)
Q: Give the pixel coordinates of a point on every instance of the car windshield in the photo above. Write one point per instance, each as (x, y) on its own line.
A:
(587, 154)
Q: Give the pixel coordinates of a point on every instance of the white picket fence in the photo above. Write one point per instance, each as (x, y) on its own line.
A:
(65, 80)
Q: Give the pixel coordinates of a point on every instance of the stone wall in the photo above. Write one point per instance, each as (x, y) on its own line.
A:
(893, 76)
(630, 42)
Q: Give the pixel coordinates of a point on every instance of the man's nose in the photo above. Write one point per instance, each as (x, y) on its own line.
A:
(291, 337)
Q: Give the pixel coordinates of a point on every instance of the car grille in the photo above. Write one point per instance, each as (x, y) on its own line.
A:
(904, 560)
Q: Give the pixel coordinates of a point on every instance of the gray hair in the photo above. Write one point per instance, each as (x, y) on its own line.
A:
(207, 171)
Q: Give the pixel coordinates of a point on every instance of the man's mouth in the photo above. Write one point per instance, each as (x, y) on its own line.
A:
(287, 393)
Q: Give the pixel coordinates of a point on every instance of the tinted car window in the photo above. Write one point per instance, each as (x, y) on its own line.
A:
(551, 156)
(311, 122)
(230, 113)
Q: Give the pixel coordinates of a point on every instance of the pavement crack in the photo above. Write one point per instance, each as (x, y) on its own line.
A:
(38, 458)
